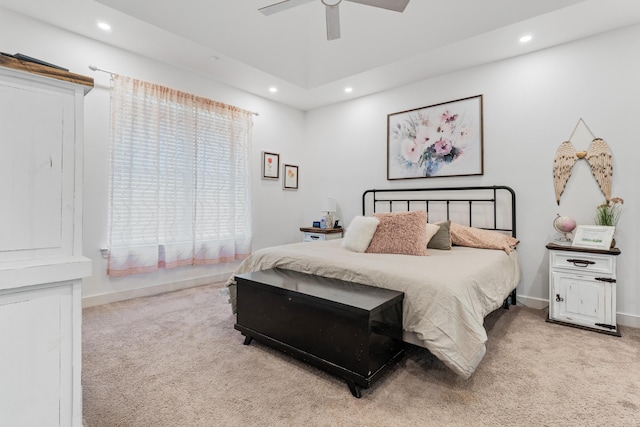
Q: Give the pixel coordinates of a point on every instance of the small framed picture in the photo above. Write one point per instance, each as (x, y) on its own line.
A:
(290, 181)
(594, 236)
(270, 165)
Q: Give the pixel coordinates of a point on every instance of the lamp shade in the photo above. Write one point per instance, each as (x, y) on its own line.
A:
(329, 205)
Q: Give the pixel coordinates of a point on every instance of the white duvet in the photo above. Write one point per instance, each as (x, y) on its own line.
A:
(447, 294)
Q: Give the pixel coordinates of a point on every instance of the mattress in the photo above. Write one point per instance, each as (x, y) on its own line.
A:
(447, 293)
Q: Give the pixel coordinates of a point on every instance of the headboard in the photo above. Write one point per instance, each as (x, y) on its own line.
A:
(489, 207)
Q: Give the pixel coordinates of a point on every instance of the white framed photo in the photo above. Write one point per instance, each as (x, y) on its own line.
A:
(290, 177)
(270, 165)
(594, 236)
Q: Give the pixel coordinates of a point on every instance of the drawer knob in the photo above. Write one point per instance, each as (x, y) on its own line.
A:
(580, 262)
(559, 298)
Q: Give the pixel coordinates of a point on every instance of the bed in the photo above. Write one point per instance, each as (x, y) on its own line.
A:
(448, 293)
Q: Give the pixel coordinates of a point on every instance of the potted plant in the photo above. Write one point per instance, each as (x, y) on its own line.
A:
(609, 213)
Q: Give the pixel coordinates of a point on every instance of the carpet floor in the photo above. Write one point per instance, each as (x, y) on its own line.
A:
(176, 360)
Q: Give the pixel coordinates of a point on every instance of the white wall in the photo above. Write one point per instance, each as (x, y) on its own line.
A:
(277, 129)
(531, 104)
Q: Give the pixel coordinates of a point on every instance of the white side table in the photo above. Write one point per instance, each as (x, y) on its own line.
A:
(582, 288)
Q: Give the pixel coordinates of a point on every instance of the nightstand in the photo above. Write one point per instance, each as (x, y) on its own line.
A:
(312, 234)
(582, 288)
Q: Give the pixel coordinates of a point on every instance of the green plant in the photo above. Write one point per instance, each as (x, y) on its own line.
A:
(609, 212)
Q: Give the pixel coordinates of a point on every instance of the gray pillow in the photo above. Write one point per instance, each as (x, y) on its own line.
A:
(442, 238)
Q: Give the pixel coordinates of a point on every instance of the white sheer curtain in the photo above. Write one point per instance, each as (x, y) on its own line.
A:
(179, 189)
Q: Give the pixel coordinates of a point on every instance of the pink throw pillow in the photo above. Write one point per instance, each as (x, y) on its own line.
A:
(463, 235)
(400, 233)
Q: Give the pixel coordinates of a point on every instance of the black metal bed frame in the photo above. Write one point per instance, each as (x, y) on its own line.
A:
(392, 197)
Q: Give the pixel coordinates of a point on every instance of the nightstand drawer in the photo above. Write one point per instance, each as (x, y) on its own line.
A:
(584, 262)
(312, 234)
(312, 237)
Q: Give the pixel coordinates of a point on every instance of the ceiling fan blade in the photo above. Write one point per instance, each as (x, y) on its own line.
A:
(395, 5)
(333, 22)
(283, 5)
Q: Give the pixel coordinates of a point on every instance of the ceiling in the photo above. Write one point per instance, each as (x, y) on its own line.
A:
(231, 42)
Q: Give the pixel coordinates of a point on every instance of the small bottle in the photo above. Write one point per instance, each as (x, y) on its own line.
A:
(323, 223)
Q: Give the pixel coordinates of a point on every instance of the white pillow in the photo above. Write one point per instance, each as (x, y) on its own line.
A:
(359, 233)
(432, 229)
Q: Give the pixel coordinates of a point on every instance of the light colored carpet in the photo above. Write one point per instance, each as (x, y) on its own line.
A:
(175, 360)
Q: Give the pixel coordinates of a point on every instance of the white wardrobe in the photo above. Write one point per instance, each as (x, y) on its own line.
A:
(41, 262)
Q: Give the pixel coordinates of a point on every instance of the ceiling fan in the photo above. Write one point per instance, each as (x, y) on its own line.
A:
(333, 13)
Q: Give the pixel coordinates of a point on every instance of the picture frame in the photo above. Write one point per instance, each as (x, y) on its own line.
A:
(594, 236)
(270, 165)
(290, 181)
(441, 140)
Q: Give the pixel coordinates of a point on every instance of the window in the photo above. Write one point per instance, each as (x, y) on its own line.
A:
(180, 179)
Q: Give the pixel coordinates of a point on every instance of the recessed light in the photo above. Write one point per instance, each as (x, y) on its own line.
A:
(104, 26)
(525, 39)
(348, 89)
(273, 89)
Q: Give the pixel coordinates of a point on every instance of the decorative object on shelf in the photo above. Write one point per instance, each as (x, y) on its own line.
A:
(594, 237)
(270, 165)
(329, 207)
(316, 224)
(290, 181)
(598, 155)
(440, 140)
(564, 225)
(26, 58)
(609, 212)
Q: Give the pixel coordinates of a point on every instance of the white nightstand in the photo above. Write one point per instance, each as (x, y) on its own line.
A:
(312, 234)
(582, 288)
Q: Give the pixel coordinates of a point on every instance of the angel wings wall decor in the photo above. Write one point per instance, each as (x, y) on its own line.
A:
(599, 157)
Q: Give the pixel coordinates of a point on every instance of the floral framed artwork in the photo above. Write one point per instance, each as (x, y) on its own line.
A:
(290, 181)
(270, 165)
(436, 141)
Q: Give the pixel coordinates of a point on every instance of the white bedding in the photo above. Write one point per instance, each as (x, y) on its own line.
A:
(447, 293)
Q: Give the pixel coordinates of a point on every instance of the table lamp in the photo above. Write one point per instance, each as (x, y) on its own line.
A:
(329, 206)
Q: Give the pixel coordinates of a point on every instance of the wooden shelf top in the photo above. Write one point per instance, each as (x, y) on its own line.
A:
(321, 230)
(54, 73)
(556, 247)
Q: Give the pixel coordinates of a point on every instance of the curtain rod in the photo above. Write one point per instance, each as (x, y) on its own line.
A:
(94, 68)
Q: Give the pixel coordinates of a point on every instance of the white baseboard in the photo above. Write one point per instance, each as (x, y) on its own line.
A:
(631, 320)
(623, 319)
(151, 290)
(537, 303)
